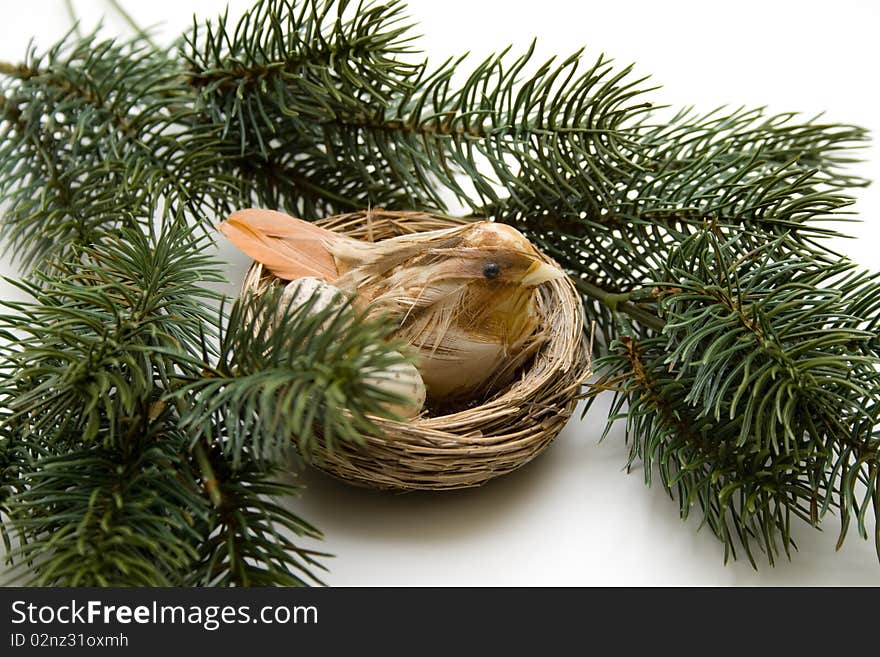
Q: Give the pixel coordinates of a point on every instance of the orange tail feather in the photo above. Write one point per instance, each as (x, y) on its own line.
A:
(289, 248)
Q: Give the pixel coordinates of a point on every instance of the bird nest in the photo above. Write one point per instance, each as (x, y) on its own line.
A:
(464, 447)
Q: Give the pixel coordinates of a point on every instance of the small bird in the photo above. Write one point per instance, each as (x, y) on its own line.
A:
(464, 298)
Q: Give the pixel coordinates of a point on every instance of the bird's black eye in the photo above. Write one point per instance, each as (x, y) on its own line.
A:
(491, 270)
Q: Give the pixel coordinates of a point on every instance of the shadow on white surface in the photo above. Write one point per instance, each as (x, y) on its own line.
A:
(570, 517)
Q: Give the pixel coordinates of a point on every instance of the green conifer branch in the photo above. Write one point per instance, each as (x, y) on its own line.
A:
(104, 481)
(245, 539)
(284, 370)
(95, 139)
(753, 398)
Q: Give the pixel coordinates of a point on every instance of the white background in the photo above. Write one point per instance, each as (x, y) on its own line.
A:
(573, 517)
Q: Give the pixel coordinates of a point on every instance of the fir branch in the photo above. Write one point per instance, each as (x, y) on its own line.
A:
(758, 398)
(396, 136)
(101, 330)
(66, 120)
(438, 131)
(264, 85)
(104, 493)
(778, 139)
(246, 539)
(745, 501)
(94, 139)
(287, 55)
(94, 517)
(741, 168)
(737, 170)
(99, 481)
(771, 327)
(285, 370)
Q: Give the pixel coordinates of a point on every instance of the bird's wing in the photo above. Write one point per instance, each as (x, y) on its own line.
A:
(289, 248)
(375, 260)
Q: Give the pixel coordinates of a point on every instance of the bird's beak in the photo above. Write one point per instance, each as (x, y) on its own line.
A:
(541, 272)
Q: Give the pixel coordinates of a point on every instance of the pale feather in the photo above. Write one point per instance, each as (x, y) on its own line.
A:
(460, 367)
(290, 248)
(364, 263)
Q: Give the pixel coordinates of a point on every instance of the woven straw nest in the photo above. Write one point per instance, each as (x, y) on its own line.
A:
(471, 446)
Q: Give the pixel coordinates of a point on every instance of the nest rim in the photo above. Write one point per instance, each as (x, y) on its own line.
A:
(469, 446)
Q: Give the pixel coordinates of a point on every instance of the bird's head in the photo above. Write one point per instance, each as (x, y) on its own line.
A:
(495, 254)
(481, 277)
(486, 275)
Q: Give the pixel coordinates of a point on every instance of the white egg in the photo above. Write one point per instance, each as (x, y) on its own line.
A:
(298, 292)
(402, 379)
